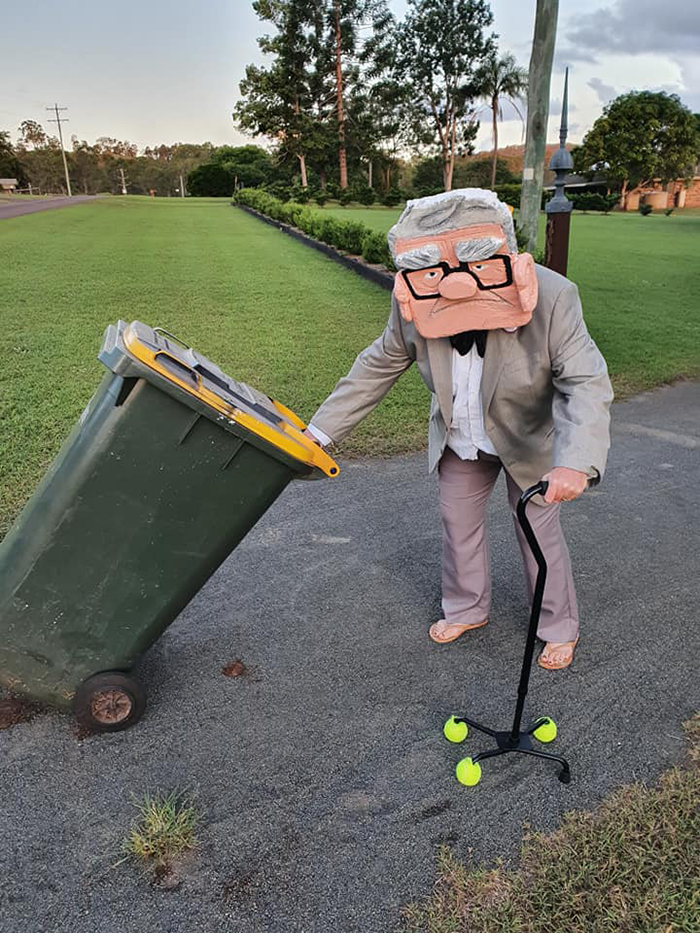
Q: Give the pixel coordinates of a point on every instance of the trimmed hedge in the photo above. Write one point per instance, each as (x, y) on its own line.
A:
(594, 201)
(581, 200)
(347, 235)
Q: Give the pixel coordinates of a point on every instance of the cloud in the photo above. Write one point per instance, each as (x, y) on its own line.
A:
(634, 26)
(690, 75)
(555, 107)
(604, 91)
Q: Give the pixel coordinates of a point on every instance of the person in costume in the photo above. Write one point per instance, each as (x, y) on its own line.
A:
(517, 384)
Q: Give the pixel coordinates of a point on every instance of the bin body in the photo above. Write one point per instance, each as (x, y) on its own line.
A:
(151, 491)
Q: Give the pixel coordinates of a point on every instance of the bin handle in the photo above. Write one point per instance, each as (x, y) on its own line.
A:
(166, 333)
(183, 367)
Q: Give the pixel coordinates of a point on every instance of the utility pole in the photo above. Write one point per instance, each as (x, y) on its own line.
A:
(558, 209)
(121, 172)
(537, 117)
(56, 109)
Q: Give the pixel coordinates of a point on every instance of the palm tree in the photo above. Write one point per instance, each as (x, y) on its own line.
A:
(500, 79)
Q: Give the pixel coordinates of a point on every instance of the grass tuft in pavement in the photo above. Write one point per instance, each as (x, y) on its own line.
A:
(630, 866)
(164, 830)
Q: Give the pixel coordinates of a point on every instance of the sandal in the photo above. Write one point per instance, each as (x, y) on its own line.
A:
(565, 658)
(443, 632)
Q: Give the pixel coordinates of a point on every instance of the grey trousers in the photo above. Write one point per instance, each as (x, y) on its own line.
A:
(465, 486)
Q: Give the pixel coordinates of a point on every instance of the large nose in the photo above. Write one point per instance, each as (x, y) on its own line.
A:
(457, 285)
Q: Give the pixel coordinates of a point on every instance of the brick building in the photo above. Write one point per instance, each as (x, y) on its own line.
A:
(673, 194)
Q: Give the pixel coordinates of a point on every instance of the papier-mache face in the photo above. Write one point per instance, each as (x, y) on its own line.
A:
(459, 267)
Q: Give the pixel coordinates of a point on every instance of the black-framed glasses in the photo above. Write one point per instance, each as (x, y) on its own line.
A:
(494, 272)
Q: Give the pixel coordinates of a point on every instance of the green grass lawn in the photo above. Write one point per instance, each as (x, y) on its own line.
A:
(267, 309)
(279, 315)
(639, 279)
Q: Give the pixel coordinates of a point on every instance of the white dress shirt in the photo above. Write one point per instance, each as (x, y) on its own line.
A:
(467, 435)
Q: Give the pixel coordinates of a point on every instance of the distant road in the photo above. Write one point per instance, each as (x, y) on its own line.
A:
(12, 208)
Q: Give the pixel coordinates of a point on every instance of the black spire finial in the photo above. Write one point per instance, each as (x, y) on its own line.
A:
(561, 162)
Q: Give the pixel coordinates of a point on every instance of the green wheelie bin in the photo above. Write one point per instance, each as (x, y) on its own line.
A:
(169, 467)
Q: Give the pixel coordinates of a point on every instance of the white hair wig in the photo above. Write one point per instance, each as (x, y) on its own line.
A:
(452, 210)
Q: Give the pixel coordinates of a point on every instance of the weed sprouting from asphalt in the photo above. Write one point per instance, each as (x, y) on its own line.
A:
(164, 830)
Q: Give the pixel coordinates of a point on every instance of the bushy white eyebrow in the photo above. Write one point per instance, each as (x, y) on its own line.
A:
(482, 248)
(419, 258)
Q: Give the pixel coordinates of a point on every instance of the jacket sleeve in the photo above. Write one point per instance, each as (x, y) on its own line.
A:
(582, 390)
(373, 373)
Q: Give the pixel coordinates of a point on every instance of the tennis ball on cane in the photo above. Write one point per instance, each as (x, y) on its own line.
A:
(455, 731)
(546, 731)
(468, 772)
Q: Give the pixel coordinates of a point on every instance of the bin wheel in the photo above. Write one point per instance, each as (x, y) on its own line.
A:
(109, 702)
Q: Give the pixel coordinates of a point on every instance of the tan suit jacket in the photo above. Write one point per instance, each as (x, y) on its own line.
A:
(545, 388)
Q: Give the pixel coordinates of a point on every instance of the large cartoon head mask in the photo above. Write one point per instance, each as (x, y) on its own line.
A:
(459, 267)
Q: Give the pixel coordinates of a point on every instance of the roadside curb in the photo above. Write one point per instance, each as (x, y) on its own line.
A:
(374, 273)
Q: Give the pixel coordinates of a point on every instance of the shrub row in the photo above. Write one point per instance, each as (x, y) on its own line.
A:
(347, 235)
(359, 192)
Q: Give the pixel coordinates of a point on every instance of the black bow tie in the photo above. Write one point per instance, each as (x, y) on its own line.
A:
(465, 341)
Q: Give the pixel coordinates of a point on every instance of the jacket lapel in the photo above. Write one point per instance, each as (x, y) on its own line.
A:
(499, 348)
(440, 358)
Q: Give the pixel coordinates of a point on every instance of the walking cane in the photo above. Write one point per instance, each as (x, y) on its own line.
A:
(543, 729)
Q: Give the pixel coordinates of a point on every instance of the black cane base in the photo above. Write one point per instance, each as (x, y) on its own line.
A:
(506, 742)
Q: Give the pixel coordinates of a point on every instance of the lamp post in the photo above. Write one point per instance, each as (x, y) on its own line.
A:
(558, 209)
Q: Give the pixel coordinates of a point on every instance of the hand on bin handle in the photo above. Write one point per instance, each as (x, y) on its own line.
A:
(313, 437)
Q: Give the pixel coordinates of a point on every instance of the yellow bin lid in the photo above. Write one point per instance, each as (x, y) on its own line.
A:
(234, 401)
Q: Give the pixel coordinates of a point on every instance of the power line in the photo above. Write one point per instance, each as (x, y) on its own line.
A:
(58, 120)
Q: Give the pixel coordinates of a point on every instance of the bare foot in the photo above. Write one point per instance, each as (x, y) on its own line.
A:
(443, 632)
(556, 656)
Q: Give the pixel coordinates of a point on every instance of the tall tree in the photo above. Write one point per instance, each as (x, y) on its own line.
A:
(500, 79)
(347, 19)
(443, 42)
(641, 137)
(32, 134)
(376, 124)
(41, 156)
(87, 166)
(284, 101)
(381, 101)
(338, 36)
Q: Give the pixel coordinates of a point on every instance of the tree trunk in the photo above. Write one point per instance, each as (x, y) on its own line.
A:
(302, 169)
(342, 153)
(369, 174)
(300, 155)
(322, 178)
(623, 196)
(447, 173)
(449, 150)
(494, 160)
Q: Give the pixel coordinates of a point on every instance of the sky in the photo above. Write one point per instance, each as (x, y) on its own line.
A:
(164, 71)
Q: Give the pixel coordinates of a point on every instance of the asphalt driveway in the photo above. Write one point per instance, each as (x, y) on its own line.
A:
(322, 773)
(16, 208)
